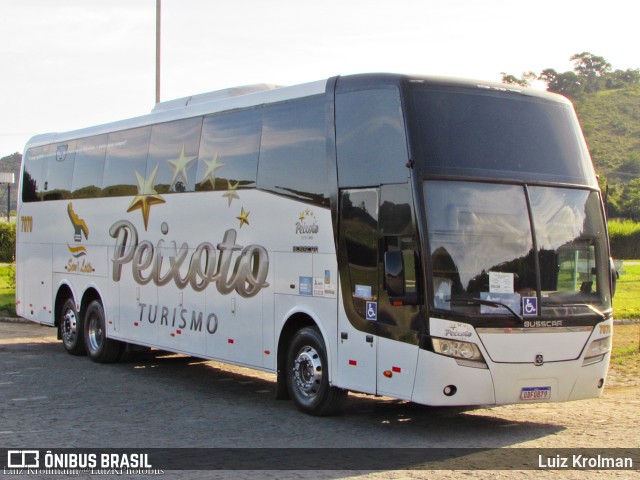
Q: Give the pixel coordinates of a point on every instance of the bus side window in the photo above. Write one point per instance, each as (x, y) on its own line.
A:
(126, 156)
(293, 152)
(370, 138)
(229, 148)
(60, 171)
(174, 150)
(359, 225)
(35, 170)
(89, 167)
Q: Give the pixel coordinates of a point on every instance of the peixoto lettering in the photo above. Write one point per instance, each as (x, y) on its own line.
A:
(163, 262)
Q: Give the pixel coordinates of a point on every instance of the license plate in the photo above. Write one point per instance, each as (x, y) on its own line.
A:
(535, 393)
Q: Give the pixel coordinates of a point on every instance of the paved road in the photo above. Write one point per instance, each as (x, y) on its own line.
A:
(49, 399)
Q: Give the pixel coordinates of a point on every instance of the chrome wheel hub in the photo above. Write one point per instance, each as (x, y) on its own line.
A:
(69, 326)
(95, 335)
(307, 371)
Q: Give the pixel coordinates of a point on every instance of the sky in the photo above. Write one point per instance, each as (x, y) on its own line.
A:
(69, 64)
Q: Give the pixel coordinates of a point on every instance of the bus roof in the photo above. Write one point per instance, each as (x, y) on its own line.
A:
(260, 94)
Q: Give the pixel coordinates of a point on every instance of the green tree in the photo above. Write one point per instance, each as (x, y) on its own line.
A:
(629, 202)
(592, 69)
(567, 83)
(524, 81)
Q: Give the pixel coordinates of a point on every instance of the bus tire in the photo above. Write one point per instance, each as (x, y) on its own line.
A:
(99, 348)
(71, 329)
(307, 375)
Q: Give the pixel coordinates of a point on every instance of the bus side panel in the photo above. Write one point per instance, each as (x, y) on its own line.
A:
(34, 276)
(137, 320)
(239, 334)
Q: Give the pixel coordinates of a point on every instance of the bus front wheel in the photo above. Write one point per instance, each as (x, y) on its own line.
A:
(99, 348)
(70, 327)
(308, 375)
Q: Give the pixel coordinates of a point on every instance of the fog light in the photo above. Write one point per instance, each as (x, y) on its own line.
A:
(450, 390)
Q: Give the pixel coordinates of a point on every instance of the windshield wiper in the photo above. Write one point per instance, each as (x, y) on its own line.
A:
(488, 303)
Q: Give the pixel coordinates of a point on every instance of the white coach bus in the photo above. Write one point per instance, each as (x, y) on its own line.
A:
(434, 240)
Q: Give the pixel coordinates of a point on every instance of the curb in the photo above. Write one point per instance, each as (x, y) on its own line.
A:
(14, 320)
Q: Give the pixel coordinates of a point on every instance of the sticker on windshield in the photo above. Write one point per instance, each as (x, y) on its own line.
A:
(512, 300)
(530, 306)
(372, 311)
(500, 282)
(363, 291)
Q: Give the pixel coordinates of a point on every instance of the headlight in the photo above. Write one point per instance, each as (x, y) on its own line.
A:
(597, 350)
(465, 353)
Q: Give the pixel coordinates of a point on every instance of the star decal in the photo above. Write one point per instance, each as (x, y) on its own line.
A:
(231, 193)
(210, 173)
(146, 196)
(243, 217)
(180, 166)
(306, 213)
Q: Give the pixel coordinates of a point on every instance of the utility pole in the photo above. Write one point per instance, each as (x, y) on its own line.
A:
(7, 179)
(158, 25)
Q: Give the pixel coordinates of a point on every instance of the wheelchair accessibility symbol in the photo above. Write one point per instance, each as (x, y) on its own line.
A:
(529, 305)
(371, 311)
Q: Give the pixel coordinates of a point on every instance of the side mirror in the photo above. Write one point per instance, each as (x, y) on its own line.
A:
(614, 276)
(394, 273)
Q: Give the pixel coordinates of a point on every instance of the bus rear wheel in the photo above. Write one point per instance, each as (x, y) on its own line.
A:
(70, 327)
(307, 375)
(99, 348)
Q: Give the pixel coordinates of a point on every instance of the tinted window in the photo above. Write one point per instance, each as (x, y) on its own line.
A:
(174, 151)
(293, 151)
(370, 138)
(89, 166)
(229, 151)
(35, 170)
(60, 171)
(360, 229)
(126, 161)
(475, 133)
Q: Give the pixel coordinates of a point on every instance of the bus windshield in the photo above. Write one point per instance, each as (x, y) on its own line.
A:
(481, 237)
(503, 135)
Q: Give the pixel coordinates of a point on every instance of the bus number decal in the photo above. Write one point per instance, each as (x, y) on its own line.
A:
(26, 224)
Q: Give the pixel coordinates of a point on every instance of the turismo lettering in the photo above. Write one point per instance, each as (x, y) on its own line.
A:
(179, 317)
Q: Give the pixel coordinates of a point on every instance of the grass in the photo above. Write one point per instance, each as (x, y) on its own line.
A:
(625, 357)
(626, 302)
(7, 291)
(622, 227)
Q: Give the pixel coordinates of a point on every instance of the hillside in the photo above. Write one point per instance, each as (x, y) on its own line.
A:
(610, 120)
